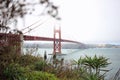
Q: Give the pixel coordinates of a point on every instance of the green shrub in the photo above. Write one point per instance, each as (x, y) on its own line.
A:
(14, 72)
(37, 75)
(40, 65)
(27, 59)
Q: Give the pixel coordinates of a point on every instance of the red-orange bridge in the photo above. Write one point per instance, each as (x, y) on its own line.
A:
(12, 39)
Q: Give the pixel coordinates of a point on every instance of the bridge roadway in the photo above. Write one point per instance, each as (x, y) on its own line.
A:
(37, 38)
(15, 37)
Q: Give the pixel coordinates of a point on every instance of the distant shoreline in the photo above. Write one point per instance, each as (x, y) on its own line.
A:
(70, 46)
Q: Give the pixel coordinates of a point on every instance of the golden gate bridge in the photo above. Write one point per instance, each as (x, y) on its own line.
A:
(9, 39)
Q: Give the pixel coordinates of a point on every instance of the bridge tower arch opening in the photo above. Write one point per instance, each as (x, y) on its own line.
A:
(57, 41)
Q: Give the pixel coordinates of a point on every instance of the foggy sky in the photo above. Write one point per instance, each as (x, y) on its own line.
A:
(92, 20)
(88, 21)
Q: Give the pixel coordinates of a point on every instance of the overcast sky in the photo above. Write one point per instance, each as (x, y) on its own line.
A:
(86, 21)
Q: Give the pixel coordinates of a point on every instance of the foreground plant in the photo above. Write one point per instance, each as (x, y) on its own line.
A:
(92, 66)
(16, 72)
(96, 63)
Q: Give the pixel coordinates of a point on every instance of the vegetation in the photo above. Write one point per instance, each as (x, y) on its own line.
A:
(23, 67)
(11, 10)
(16, 72)
(29, 67)
(92, 67)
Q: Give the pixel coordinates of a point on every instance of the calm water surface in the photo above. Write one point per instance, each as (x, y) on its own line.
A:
(112, 53)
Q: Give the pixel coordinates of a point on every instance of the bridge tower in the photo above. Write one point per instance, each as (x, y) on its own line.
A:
(57, 41)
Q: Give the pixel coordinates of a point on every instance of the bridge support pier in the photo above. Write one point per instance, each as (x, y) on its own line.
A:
(57, 41)
(21, 43)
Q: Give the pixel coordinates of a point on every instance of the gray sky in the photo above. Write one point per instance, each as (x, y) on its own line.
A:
(84, 20)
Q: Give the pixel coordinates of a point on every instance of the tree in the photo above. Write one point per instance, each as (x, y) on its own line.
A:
(10, 10)
(96, 63)
(89, 68)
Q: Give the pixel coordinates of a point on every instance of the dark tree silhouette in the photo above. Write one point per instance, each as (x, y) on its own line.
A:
(10, 10)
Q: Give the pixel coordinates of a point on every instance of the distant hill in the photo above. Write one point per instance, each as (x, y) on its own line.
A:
(102, 46)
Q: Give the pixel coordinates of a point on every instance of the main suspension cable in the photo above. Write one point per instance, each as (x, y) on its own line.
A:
(35, 27)
(30, 25)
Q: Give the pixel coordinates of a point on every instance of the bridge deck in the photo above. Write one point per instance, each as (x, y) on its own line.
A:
(37, 38)
(16, 37)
